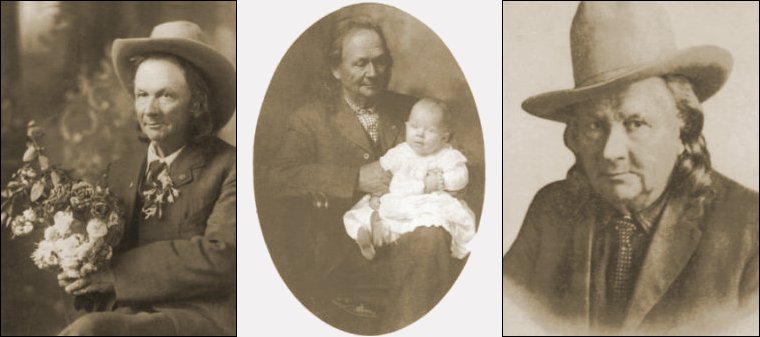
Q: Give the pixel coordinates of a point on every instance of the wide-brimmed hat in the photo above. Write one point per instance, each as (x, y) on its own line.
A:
(185, 40)
(616, 43)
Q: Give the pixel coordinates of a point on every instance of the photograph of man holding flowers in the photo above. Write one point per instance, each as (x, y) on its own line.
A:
(118, 168)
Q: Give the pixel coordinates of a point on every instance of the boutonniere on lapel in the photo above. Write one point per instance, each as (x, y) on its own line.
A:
(159, 190)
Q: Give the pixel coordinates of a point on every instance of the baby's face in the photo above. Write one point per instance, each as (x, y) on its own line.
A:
(425, 130)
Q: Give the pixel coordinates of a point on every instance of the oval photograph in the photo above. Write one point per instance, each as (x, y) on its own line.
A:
(369, 169)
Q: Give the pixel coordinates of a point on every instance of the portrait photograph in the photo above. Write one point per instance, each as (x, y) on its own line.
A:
(369, 169)
(630, 168)
(119, 182)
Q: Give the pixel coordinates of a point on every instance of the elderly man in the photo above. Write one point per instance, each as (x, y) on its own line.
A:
(174, 271)
(330, 156)
(642, 235)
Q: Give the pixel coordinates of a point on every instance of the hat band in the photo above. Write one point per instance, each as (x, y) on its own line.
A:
(605, 76)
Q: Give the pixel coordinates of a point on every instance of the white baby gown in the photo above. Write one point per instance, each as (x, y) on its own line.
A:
(406, 207)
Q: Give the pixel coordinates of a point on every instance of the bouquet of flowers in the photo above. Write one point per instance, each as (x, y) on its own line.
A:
(81, 222)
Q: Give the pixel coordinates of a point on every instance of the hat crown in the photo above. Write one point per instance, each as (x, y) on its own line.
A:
(611, 38)
(179, 29)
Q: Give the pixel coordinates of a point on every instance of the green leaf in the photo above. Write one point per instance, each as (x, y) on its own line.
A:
(37, 189)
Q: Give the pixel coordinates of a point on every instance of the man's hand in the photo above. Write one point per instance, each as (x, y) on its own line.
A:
(373, 179)
(434, 181)
(98, 282)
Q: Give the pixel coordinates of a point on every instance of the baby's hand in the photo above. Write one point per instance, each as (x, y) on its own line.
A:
(434, 180)
(374, 202)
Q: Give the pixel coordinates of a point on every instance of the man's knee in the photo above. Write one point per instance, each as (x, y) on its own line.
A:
(95, 324)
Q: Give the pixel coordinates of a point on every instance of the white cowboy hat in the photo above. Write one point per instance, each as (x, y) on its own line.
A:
(616, 43)
(185, 40)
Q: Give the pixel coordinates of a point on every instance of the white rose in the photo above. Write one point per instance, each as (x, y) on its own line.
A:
(44, 256)
(68, 246)
(30, 215)
(96, 228)
(52, 234)
(63, 220)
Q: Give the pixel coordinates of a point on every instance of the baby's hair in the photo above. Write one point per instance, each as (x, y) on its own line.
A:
(438, 105)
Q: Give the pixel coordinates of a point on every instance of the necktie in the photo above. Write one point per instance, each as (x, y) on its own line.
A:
(622, 280)
(154, 169)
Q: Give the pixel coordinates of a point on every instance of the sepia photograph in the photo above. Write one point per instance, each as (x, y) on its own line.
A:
(369, 169)
(119, 192)
(631, 168)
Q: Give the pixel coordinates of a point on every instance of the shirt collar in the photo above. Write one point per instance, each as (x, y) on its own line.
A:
(153, 155)
(357, 109)
(647, 218)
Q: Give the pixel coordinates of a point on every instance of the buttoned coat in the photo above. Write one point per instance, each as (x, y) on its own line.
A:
(183, 264)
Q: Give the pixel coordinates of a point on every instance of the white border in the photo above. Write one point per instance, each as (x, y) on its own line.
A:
(472, 31)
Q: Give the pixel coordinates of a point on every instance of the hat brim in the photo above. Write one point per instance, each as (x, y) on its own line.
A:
(218, 72)
(706, 67)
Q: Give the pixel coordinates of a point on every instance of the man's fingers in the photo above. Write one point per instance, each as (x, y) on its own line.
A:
(77, 285)
(87, 289)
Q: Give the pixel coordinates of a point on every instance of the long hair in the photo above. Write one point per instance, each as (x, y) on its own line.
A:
(691, 175)
(201, 124)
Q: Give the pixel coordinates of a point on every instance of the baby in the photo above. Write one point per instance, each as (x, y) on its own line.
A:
(425, 169)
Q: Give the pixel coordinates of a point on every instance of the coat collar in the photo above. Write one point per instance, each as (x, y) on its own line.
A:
(185, 166)
(673, 242)
(350, 127)
(126, 174)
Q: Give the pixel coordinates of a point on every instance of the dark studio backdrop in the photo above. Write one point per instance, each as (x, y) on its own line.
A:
(56, 70)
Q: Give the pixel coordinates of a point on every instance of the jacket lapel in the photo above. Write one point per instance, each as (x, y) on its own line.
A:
(126, 176)
(350, 127)
(183, 169)
(389, 132)
(583, 226)
(673, 244)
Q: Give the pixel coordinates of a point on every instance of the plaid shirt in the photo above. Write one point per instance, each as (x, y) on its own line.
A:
(367, 117)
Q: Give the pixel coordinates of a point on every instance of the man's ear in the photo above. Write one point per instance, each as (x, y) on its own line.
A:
(336, 73)
(447, 136)
(569, 137)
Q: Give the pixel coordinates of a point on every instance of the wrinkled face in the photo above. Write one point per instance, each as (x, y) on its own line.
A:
(425, 130)
(364, 69)
(627, 142)
(162, 101)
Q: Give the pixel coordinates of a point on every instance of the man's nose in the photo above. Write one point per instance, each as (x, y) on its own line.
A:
(371, 71)
(150, 107)
(616, 146)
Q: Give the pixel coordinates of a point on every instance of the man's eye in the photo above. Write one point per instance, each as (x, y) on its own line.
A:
(361, 63)
(141, 94)
(594, 126)
(167, 95)
(634, 124)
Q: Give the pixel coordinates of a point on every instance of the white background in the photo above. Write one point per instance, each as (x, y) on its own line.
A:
(472, 31)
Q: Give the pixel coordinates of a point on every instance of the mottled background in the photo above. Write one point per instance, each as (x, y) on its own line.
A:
(56, 69)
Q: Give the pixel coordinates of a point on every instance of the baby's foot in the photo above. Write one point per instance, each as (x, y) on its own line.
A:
(378, 230)
(364, 239)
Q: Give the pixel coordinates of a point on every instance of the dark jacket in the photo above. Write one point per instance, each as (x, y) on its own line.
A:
(184, 264)
(700, 260)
